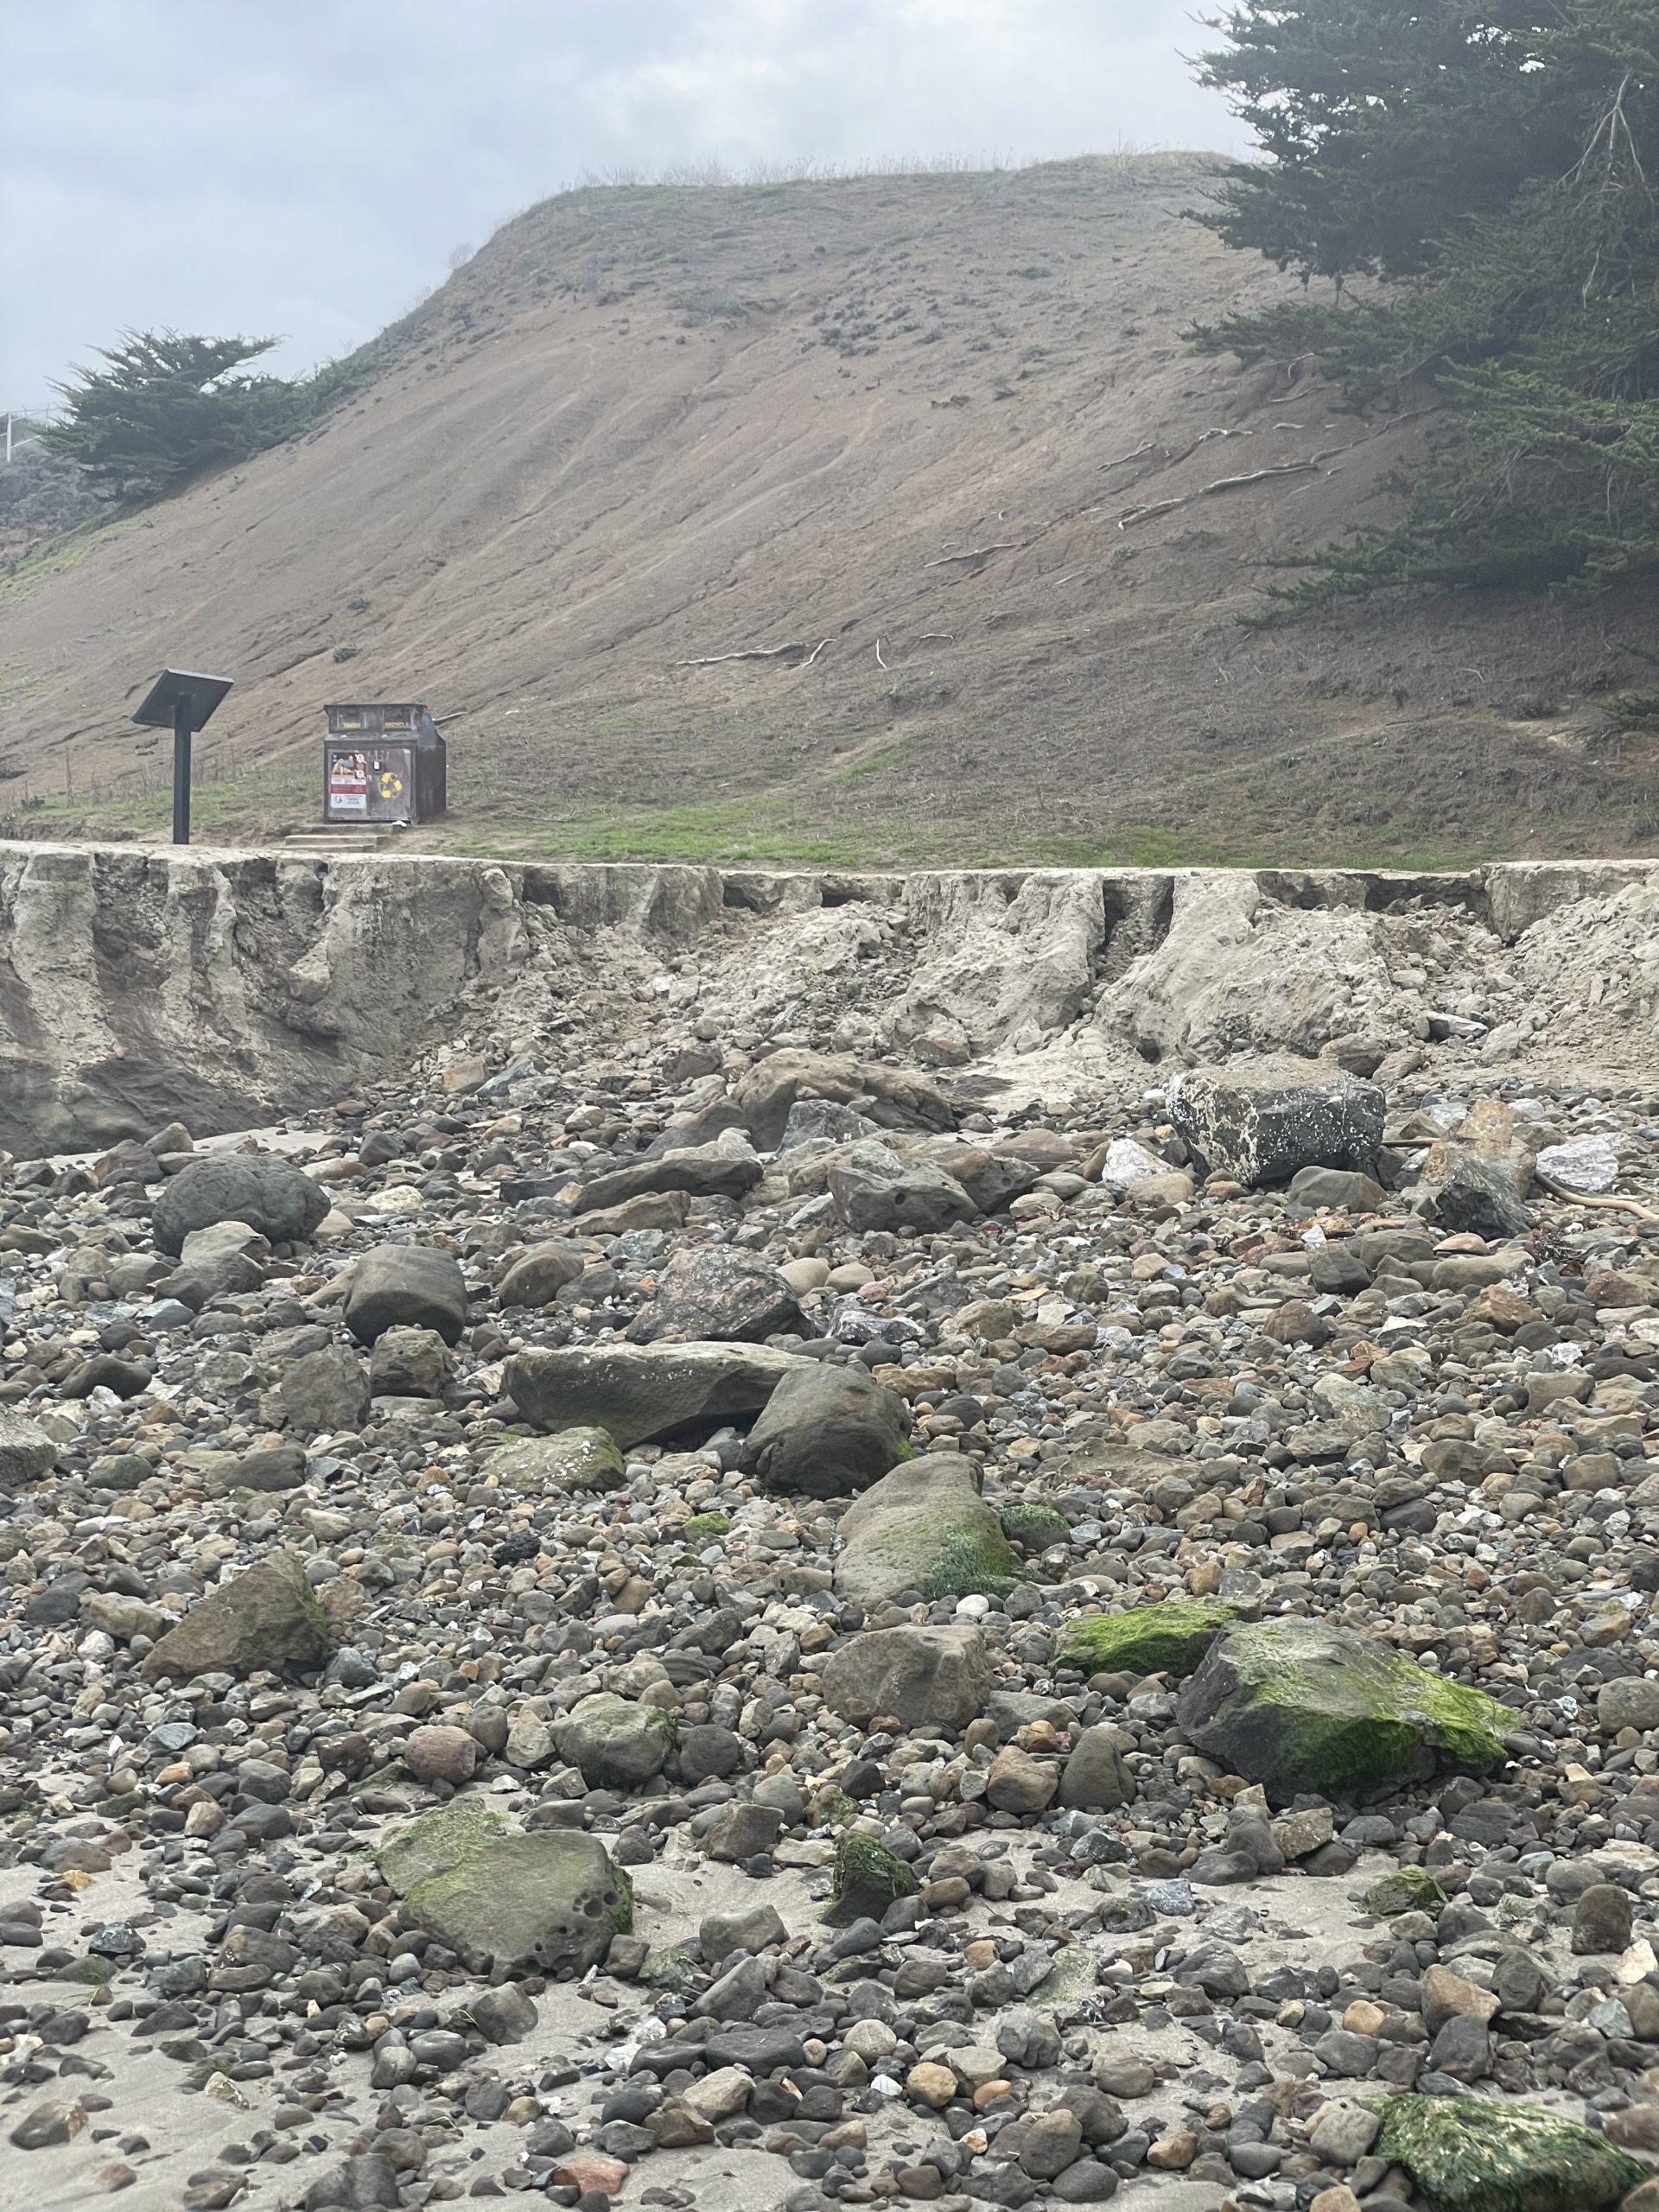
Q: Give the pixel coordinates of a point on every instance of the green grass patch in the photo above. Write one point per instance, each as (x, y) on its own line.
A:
(54, 556)
(876, 765)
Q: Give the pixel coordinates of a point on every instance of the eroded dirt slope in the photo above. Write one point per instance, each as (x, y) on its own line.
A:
(940, 434)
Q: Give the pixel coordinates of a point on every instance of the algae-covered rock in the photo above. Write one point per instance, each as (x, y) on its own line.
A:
(1298, 1705)
(1408, 1889)
(436, 1841)
(671, 1969)
(505, 1902)
(703, 1527)
(925, 1527)
(866, 1879)
(1168, 1639)
(575, 1459)
(267, 1620)
(1034, 1527)
(1468, 2154)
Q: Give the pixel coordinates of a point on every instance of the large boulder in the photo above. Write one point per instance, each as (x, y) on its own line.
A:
(436, 1841)
(271, 1195)
(925, 1527)
(718, 1293)
(616, 1742)
(26, 1451)
(640, 1392)
(827, 1431)
(1473, 2154)
(874, 1188)
(548, 1903)
(708, 1170)
(575, 1459)
(1262, 1128)
(326, 1389)
(920, 1676)
(894, 1097)
(406, 1286)
(267, 1621)
(1298, 1705)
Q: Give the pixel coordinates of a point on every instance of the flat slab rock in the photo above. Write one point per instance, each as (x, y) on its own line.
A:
(639, 1392)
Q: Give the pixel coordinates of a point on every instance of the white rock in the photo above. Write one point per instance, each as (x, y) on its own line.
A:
(1128, 1163)
(1583, 1164)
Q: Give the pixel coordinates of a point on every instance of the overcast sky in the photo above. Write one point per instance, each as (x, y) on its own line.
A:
(308, 166)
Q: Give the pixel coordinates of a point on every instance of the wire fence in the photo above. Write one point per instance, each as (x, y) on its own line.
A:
(270, 782)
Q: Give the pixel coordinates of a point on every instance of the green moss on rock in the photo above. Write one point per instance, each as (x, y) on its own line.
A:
(833, 1808)
(866, 1879)
(671, 1969)
(550, 1900)
(622, 1913)
(702, 1527)
(1409, 1889)
(972, 1563)
(93, 1971)
(1470, 2154)
(436, 1841)
(1168, 1639)
(1300, 1704)
(1034, 1527)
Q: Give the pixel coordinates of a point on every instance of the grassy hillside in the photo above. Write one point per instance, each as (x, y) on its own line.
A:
(930, 449)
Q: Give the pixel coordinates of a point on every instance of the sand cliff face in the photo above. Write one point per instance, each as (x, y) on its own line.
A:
(219, 986)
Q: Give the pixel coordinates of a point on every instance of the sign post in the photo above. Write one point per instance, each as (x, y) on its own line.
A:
(184, 701)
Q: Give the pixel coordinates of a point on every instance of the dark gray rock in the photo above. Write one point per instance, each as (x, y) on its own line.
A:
(639, 1392)
(827, 1431)
(1094, 1778)
(715, 1293)
(874, 1188)
(538, 1276)
(273, 1196)
(325, 1390)
(1262, 1130)
(703, 1171)
(1602, 1920)
(409, 1286)
(1479, 1199)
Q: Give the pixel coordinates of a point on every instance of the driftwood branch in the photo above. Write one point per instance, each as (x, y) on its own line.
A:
(1584, 1199)
(815, 650)
(1225, 484)
(749, 652)
(879, 661)
(1148, 445)
(978, 553)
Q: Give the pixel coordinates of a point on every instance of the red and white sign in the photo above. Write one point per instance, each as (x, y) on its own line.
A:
(348, 783)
